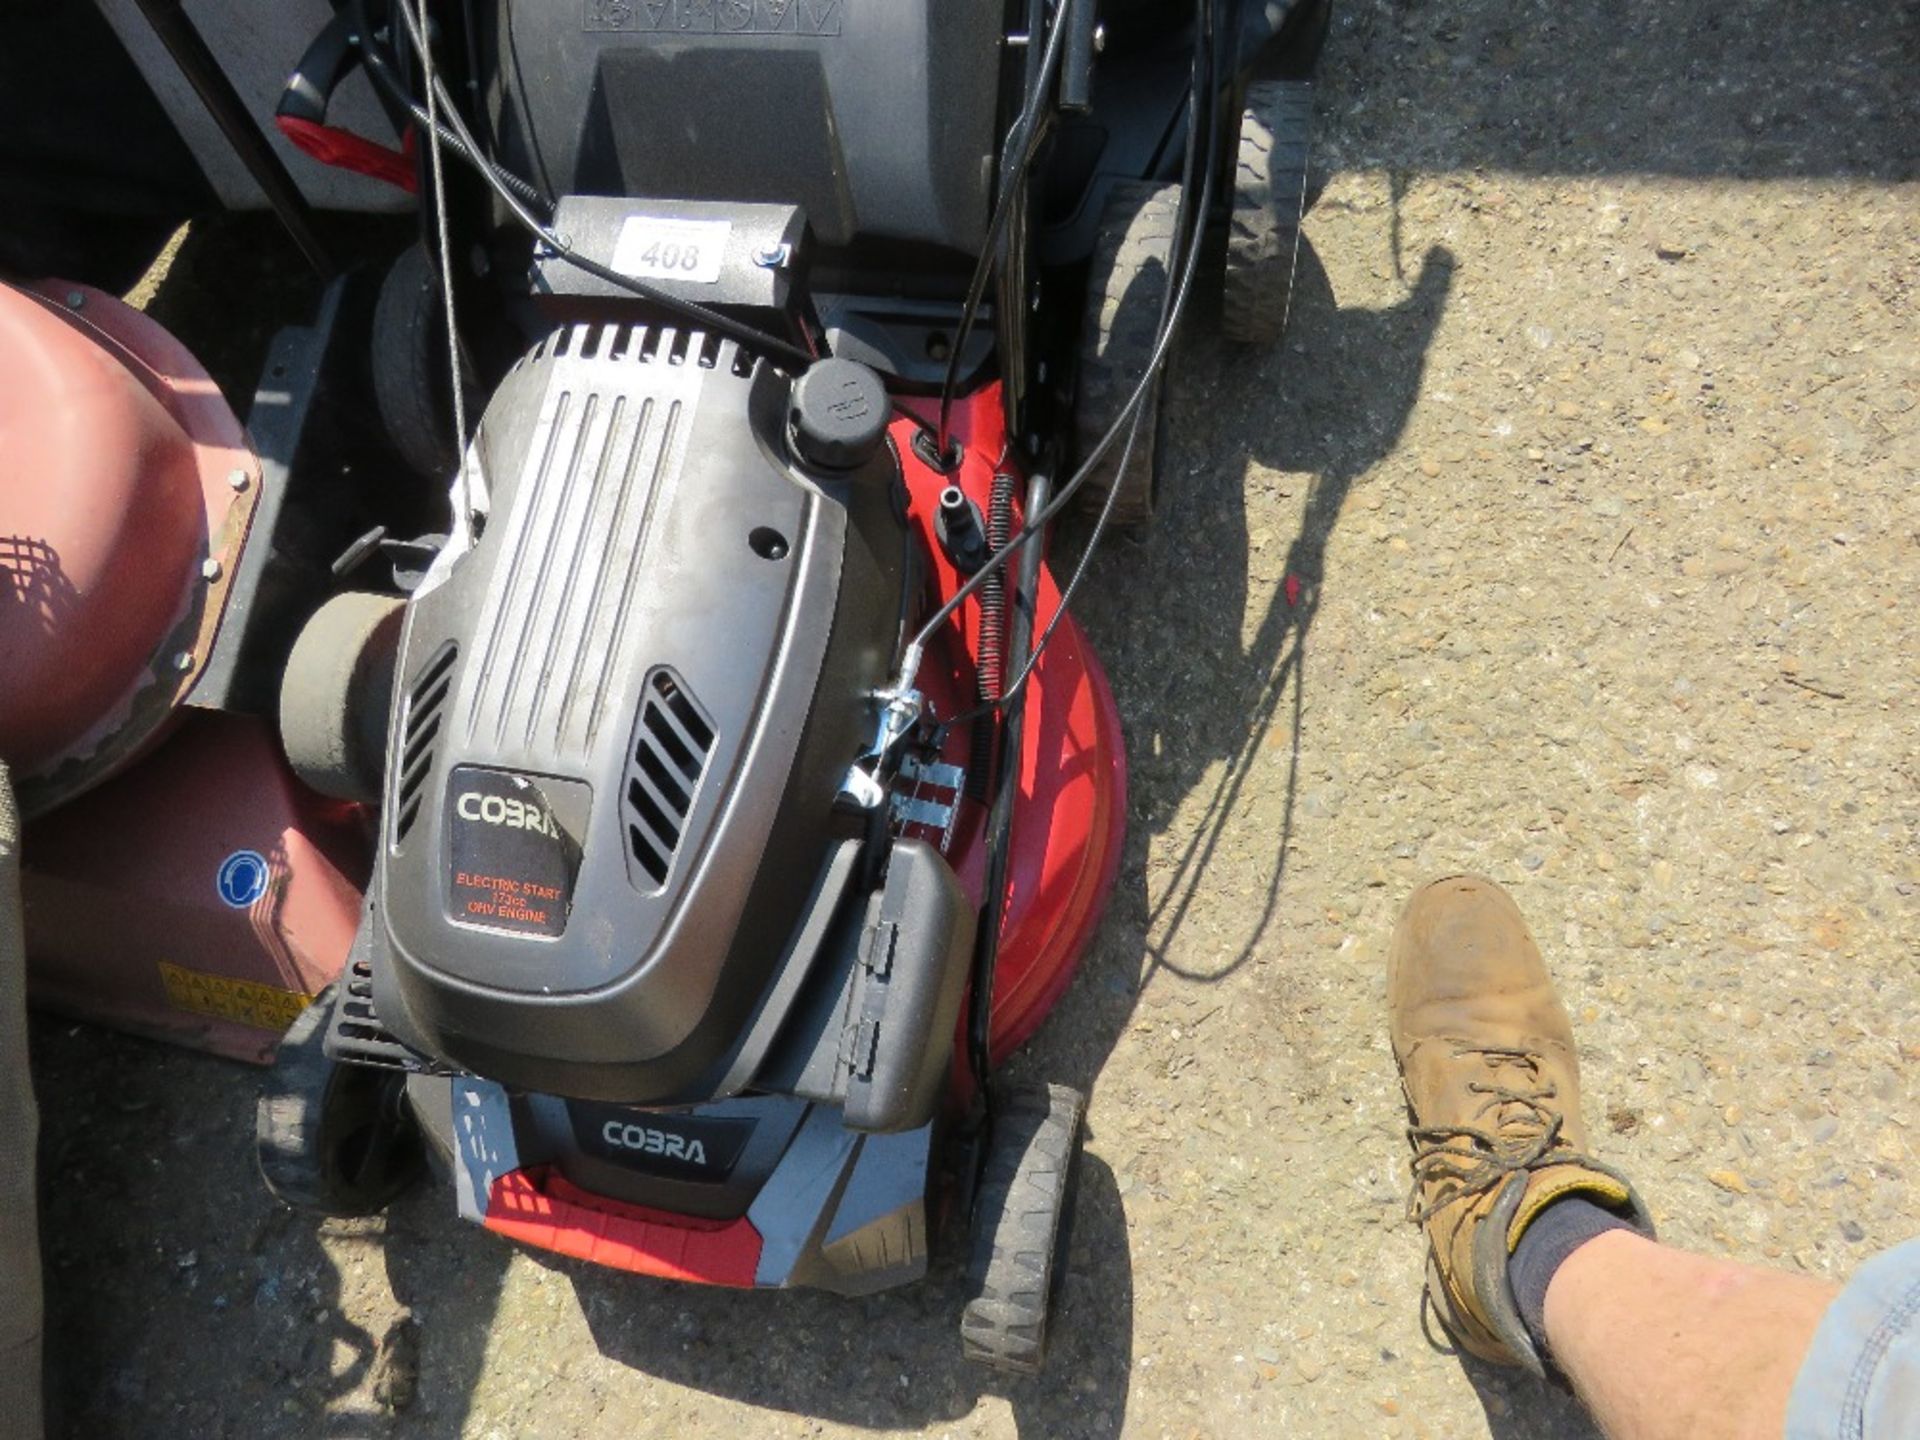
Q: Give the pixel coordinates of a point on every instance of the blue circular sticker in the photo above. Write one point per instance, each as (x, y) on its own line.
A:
(242, 878)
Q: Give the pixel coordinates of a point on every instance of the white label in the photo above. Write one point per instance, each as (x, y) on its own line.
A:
(658, 249)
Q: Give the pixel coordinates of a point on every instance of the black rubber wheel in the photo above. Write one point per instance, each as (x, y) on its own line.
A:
(411, 384)
(1020, 1231)
(334, 1139)
(1269, 202)
(1126, 285)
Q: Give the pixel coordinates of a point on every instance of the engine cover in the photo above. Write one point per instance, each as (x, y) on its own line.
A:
(623, 717)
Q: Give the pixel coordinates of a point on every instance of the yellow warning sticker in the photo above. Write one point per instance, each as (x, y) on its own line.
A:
(245, 1002)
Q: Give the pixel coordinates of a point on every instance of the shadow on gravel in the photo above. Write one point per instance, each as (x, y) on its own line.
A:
(1519, 1407)
(167, 1264)
(1232, 678)
(1767, 89)
(886, 1362)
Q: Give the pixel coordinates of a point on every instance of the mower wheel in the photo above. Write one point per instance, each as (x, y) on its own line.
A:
(1269, 202)
(331, 1138)
(1125, 288)
(336, 692)
(1020, 1227)
(409, 362)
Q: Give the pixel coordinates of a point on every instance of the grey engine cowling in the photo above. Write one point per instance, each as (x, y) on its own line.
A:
(613, 867)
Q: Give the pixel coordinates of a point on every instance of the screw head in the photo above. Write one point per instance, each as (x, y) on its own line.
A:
(183, 661)
(237, 478)
(210, 569)
(75, 299)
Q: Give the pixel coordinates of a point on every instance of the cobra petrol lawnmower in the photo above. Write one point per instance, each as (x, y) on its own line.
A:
(744, 788)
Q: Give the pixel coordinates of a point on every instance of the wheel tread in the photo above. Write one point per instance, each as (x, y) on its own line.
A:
(1126, 286)
(1263, 235)
(1024, 1194)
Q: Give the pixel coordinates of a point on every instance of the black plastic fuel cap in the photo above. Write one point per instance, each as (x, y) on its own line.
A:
(838, 414)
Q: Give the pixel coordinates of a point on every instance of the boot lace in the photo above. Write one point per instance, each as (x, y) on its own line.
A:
(1468, 1160)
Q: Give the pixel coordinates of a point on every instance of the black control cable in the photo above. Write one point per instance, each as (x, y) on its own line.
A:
(466, 508)
(1010, 692)
(1022, 143)
(760, 341)
(391, 85)
(1173, 309)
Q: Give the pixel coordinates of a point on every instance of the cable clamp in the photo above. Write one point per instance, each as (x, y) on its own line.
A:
(865, 787)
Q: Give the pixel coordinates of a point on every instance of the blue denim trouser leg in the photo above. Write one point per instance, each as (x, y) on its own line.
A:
(1861, 1377)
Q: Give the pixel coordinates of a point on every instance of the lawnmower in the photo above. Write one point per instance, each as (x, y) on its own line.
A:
(695, 744)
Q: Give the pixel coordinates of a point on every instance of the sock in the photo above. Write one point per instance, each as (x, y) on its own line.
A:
(1556, 1232)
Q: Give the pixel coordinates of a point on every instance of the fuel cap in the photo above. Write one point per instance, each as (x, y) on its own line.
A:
(838, 414)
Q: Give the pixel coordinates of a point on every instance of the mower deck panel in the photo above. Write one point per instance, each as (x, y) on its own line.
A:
(837, 1210)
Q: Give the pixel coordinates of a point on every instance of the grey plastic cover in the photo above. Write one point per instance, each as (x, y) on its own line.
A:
(623, 717)
(877, 117)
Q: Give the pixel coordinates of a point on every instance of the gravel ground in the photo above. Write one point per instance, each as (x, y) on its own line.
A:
(1594, 449)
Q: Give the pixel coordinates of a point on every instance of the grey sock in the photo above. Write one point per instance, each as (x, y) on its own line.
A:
(1556, 1232)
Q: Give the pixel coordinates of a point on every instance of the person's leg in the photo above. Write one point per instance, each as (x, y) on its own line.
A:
(1661, 1343)
(1502, 1182)
(1539, 1255)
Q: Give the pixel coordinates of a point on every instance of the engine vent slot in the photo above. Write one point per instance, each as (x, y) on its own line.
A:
(670, 753)
(419, 737)
(353, 1012)
(355, 1035)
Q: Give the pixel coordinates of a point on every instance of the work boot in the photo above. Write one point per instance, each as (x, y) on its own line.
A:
(1493, 1088)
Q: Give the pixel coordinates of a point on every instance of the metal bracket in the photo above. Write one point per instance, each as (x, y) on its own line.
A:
(915, 806)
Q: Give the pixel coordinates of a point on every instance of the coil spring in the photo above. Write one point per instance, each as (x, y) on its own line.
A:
(993, 637)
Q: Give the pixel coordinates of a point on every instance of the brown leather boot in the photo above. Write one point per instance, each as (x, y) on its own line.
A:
(1493, 1086)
